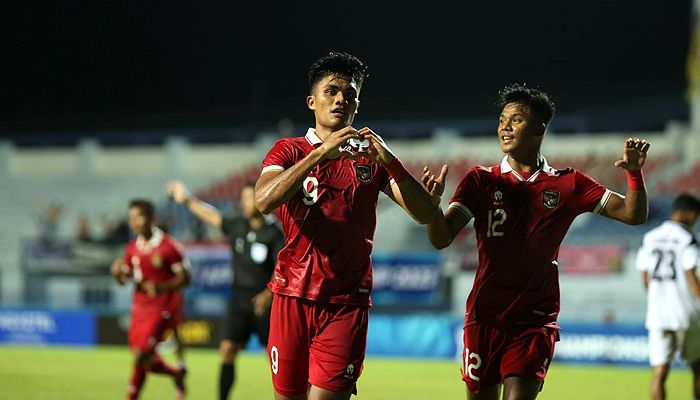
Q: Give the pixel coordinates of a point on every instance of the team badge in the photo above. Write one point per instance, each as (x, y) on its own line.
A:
(363, 172)
(550, 199)
(157, 261)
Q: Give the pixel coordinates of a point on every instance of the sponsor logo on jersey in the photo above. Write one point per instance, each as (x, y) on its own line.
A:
(550, 199)
(349, 371)
(498, 198)
(363, 172)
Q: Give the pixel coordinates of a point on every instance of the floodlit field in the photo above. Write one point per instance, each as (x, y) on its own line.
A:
(102, 373)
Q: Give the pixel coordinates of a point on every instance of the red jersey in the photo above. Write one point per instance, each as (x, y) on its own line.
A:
(156, 260)
(519, 226)
(329, 225)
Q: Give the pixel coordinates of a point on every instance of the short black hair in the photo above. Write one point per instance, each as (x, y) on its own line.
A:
(538, 100)
(337, 63)
(686, 202)
(146, 206)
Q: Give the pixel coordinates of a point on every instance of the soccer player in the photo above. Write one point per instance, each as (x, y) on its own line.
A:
(522, 209)
(326, 185)
(156, 263)
(667, 259)
(255, 242)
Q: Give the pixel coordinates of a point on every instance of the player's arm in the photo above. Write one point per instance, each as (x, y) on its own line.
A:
(179, 280)
(445, 226)
(633, 207)
(693, 283)
(274, 188)
(119, 271)
(645, 279)
(202, 210)
(406, 191)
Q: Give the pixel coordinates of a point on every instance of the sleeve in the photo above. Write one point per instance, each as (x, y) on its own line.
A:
(589, 195)
(282, 156)
(645, 258)
(689, 258)
(176, 257)
(465, 197)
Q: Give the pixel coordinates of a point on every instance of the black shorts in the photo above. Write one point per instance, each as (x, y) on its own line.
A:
(241, 321)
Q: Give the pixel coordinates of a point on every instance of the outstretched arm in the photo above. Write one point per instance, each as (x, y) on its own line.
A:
(633, 207)
(202, 210)
(276, 187)
(406, 191)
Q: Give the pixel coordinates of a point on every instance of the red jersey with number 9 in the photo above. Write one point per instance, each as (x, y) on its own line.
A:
(155, 260)
(519, 226)
(329, 225)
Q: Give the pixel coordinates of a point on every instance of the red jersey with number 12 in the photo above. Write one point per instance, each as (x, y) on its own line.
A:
(329, 225)
(519, 226)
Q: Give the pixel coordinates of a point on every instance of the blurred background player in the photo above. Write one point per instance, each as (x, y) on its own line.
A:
(156, 263)
(255, 241)
(667, 259)
(328, 198)
(522, 209)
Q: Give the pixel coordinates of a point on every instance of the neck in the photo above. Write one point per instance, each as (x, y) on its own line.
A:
(148, 234)
(322, 132)
(527, 163)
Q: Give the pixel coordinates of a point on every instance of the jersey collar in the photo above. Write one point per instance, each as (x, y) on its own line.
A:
(313, 138)
(543, 167)
(144, 245)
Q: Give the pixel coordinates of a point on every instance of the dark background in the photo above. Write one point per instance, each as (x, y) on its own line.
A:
(99, 66)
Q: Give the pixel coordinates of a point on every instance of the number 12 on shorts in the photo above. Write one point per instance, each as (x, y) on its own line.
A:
(469, 367)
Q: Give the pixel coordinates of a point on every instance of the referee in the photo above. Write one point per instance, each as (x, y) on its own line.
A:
(255, 241)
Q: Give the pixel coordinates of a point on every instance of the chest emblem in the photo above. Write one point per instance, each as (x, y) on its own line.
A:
(550, 199)
(363, 173)
(157, 261)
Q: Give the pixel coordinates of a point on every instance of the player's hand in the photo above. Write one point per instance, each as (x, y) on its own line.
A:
(262, 302)
(178, 191)
(116, 270)
(150, 287)
(435, 186)
(377, 151)
(634, 154)
(332, 147)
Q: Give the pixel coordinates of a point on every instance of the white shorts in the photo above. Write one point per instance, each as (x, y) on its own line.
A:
(663, 344)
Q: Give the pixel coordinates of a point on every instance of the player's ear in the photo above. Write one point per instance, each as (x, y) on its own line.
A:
(541, 129)
(311, 102)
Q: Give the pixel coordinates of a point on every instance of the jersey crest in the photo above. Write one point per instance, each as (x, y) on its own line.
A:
(550, 199)
(363, 173)
(157, 261)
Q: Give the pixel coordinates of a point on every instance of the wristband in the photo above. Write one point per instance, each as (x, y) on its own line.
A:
(397, 170)
(635, 180)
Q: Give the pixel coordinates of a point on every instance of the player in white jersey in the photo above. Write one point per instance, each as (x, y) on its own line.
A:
(667, 259)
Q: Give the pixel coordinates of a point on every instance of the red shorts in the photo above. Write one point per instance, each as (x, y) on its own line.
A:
(492, 354)
(313, 343)
(147, 328)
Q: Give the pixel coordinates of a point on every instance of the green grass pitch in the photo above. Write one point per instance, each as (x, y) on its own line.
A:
(50, 373)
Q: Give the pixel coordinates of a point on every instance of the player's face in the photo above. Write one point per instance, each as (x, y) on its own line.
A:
(138, 222)
(519, 131)
(334, 101)
(248, 202)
